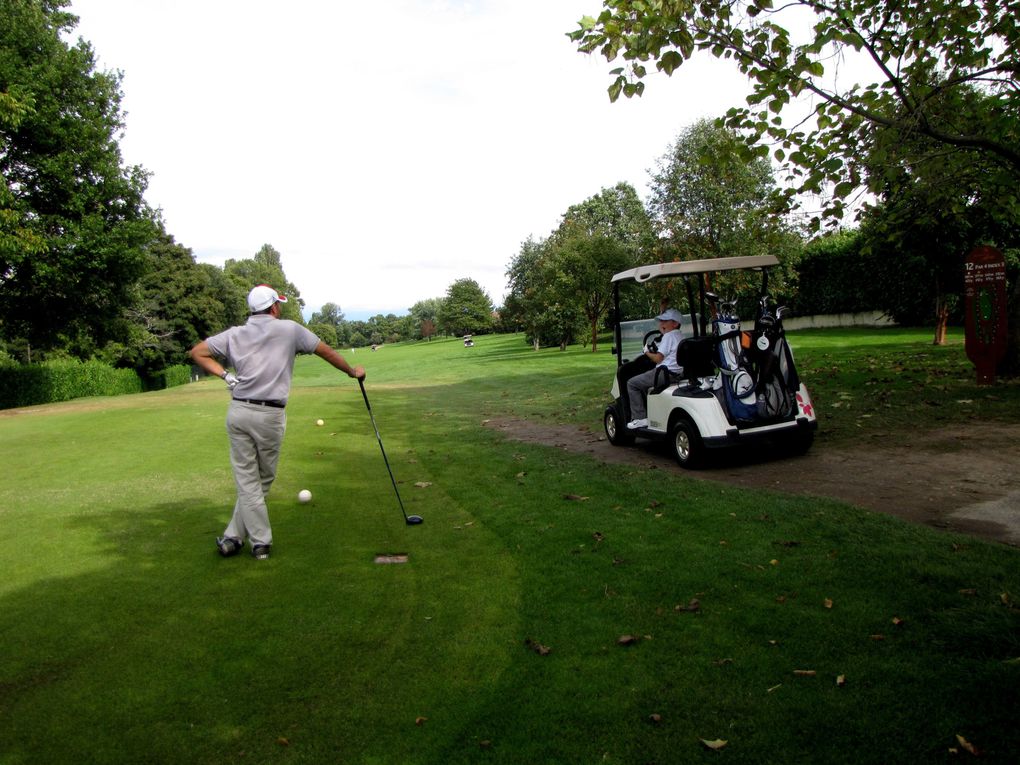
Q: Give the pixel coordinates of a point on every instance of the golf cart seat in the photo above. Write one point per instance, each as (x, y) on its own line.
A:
(696, 356)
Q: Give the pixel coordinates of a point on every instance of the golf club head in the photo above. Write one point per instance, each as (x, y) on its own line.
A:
(414, 520)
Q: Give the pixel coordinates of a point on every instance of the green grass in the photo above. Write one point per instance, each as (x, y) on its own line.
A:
(126, 639)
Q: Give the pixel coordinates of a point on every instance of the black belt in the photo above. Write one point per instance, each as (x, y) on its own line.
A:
(275, 404)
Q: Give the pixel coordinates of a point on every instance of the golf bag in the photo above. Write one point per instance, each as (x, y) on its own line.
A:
(738, 385)
(778, 383)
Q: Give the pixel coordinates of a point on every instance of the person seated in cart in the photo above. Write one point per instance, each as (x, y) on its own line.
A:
(662, 356)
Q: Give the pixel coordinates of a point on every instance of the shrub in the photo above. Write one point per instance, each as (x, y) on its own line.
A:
(63, 380)
(179, 374)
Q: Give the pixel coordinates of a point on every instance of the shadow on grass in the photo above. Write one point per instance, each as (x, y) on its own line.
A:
(146, 646)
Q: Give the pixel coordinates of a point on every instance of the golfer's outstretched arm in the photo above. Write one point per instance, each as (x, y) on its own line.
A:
(323, 351)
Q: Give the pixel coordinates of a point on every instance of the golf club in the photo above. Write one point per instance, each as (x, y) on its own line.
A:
(410, 520)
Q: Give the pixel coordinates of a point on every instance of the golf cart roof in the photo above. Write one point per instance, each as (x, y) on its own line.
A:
(710, 265)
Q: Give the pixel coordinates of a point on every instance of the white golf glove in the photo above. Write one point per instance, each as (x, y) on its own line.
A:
(230, 380)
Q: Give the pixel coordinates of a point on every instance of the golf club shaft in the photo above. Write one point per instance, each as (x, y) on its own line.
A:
(378, 438)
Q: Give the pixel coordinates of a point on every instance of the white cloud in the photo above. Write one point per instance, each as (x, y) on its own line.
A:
(385, 149)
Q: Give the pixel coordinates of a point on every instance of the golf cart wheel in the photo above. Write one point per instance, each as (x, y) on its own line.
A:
(686, 444)
(616, 428)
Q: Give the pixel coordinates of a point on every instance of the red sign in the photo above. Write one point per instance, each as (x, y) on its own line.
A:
(984, 289)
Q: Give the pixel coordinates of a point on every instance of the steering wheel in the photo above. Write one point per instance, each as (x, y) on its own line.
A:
(652, 338)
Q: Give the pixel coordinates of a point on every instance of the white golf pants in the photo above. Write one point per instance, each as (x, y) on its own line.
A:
(256, 434)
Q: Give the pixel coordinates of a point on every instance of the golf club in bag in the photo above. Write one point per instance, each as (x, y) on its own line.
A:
(410, 520)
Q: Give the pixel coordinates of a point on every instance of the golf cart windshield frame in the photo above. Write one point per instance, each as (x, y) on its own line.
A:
(686, 270)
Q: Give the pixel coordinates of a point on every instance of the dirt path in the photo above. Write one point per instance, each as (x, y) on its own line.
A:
(963, 479)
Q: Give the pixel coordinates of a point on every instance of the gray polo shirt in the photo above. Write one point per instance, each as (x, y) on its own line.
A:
(262, 353)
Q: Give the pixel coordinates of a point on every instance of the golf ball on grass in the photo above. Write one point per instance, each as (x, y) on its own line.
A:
(320, 422)
(304, 496)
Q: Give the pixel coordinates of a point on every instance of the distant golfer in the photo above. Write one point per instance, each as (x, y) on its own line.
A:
(262, 352)
(662, 356)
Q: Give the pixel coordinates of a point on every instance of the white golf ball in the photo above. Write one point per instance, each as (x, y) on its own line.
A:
(320, 422)
(304, 496)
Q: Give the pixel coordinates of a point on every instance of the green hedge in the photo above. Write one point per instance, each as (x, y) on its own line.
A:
(835, 276)
(179, 374)
(51, 381)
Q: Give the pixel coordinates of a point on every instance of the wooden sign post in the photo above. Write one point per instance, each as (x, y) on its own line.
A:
(984, 283)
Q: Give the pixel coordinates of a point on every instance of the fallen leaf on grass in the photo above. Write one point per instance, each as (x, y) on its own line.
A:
(655, 718)
(422, 484)
(827, 602)
(1004, 597)
(715, 745)
(774, 687)
(282, 741)
(597, 536)
(575, 497)
(841, 680)
(693, 606)
(420, 720)
(521, 474)
(897, 621)
(966, 745)
(626, 640)
(968, 591)
(878, 637)
(805, 672)
(534, 645)
(773, 562)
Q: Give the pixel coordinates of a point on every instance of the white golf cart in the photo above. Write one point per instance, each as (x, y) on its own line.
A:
(737, 386)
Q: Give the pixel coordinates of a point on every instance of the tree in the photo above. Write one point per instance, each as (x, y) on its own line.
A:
(924, 54)
(73, 221)
(909, 43)
(331, 315)
(178, 302)
(934, 210)
(425, 314)
(326, 333)
(267, 268)
(560, 285)
(523, 309)
(584, 265)
(467, 309)
(616, 213)
(708, 201)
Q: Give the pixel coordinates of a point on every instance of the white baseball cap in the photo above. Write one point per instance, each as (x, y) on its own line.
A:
(263, 296)
(671, 314)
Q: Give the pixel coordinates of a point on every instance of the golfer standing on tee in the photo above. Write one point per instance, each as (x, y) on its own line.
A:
(262, 352)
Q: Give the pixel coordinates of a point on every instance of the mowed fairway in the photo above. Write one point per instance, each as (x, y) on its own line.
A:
(792, 629)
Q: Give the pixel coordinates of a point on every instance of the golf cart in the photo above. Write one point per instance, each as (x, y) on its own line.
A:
(737, 386)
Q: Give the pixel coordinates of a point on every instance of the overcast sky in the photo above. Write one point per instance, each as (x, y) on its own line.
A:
(385, 149)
